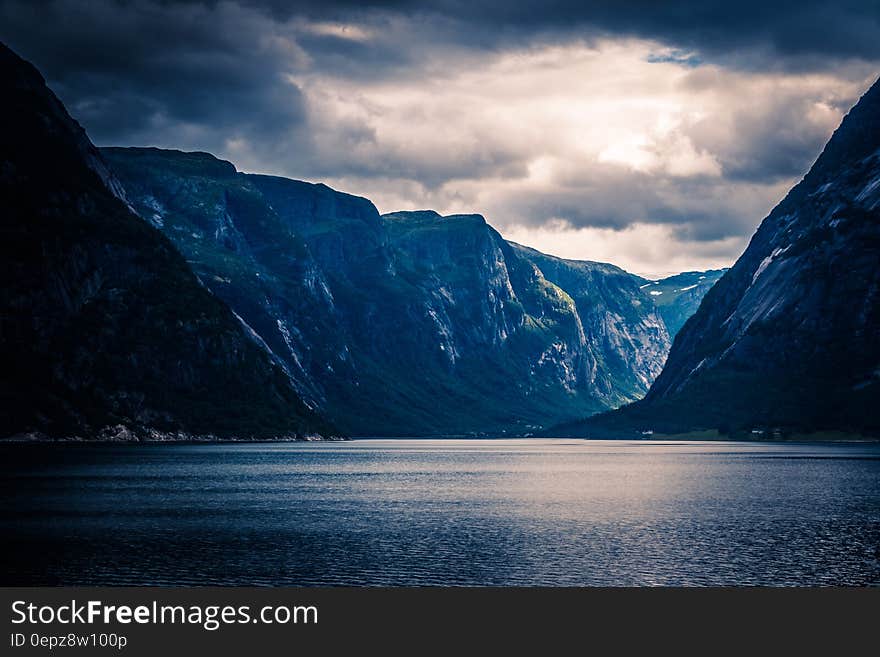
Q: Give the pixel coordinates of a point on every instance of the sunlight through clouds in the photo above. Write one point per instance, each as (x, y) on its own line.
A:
(621, 148)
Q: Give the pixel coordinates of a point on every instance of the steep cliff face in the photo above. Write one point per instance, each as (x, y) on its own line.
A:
(790, 336)
(458, 264)
(404, 323)
(490, 316)
(345, 233)
(625, 336)
(102, 323)
(245, 253)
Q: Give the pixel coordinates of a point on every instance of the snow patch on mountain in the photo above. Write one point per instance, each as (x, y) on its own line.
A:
(766, 262)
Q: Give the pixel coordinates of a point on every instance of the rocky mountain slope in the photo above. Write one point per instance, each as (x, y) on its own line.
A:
(625, 335)
(790, 336)
(104, 329)
(678, 297)
(404, 323)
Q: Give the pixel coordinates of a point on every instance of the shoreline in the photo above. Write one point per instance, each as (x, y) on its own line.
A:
(31, 439)
(128, 437)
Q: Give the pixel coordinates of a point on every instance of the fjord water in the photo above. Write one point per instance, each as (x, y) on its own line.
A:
(442, 512)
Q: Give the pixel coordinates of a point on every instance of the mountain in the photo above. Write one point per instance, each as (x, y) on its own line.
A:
(243, 252)
(104, 329)
(406, 323)
(678, 297)
(789, 337)
(625, 335)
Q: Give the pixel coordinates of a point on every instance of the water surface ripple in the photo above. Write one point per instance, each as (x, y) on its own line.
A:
(442, 512)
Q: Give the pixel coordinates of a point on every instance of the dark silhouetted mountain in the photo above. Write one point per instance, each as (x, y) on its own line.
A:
(678, 297)
(408, 323)
(104, 329)
(789, 337)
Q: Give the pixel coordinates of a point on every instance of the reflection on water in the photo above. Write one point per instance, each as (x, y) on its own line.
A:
(442, 512)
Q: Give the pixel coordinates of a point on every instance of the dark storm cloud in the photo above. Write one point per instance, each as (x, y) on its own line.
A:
(207, 74)
(748, 31)
(128, 67)
(130, 70)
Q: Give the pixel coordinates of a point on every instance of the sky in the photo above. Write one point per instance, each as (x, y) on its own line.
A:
(655, 136)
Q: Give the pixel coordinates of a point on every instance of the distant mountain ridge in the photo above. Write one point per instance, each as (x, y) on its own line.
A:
(789, 337)
(677, 297)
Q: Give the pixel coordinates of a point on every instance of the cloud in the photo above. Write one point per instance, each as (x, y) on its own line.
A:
(650, 250)
(628, 131)
(770, 126)
(143, 72)
(590, 135)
